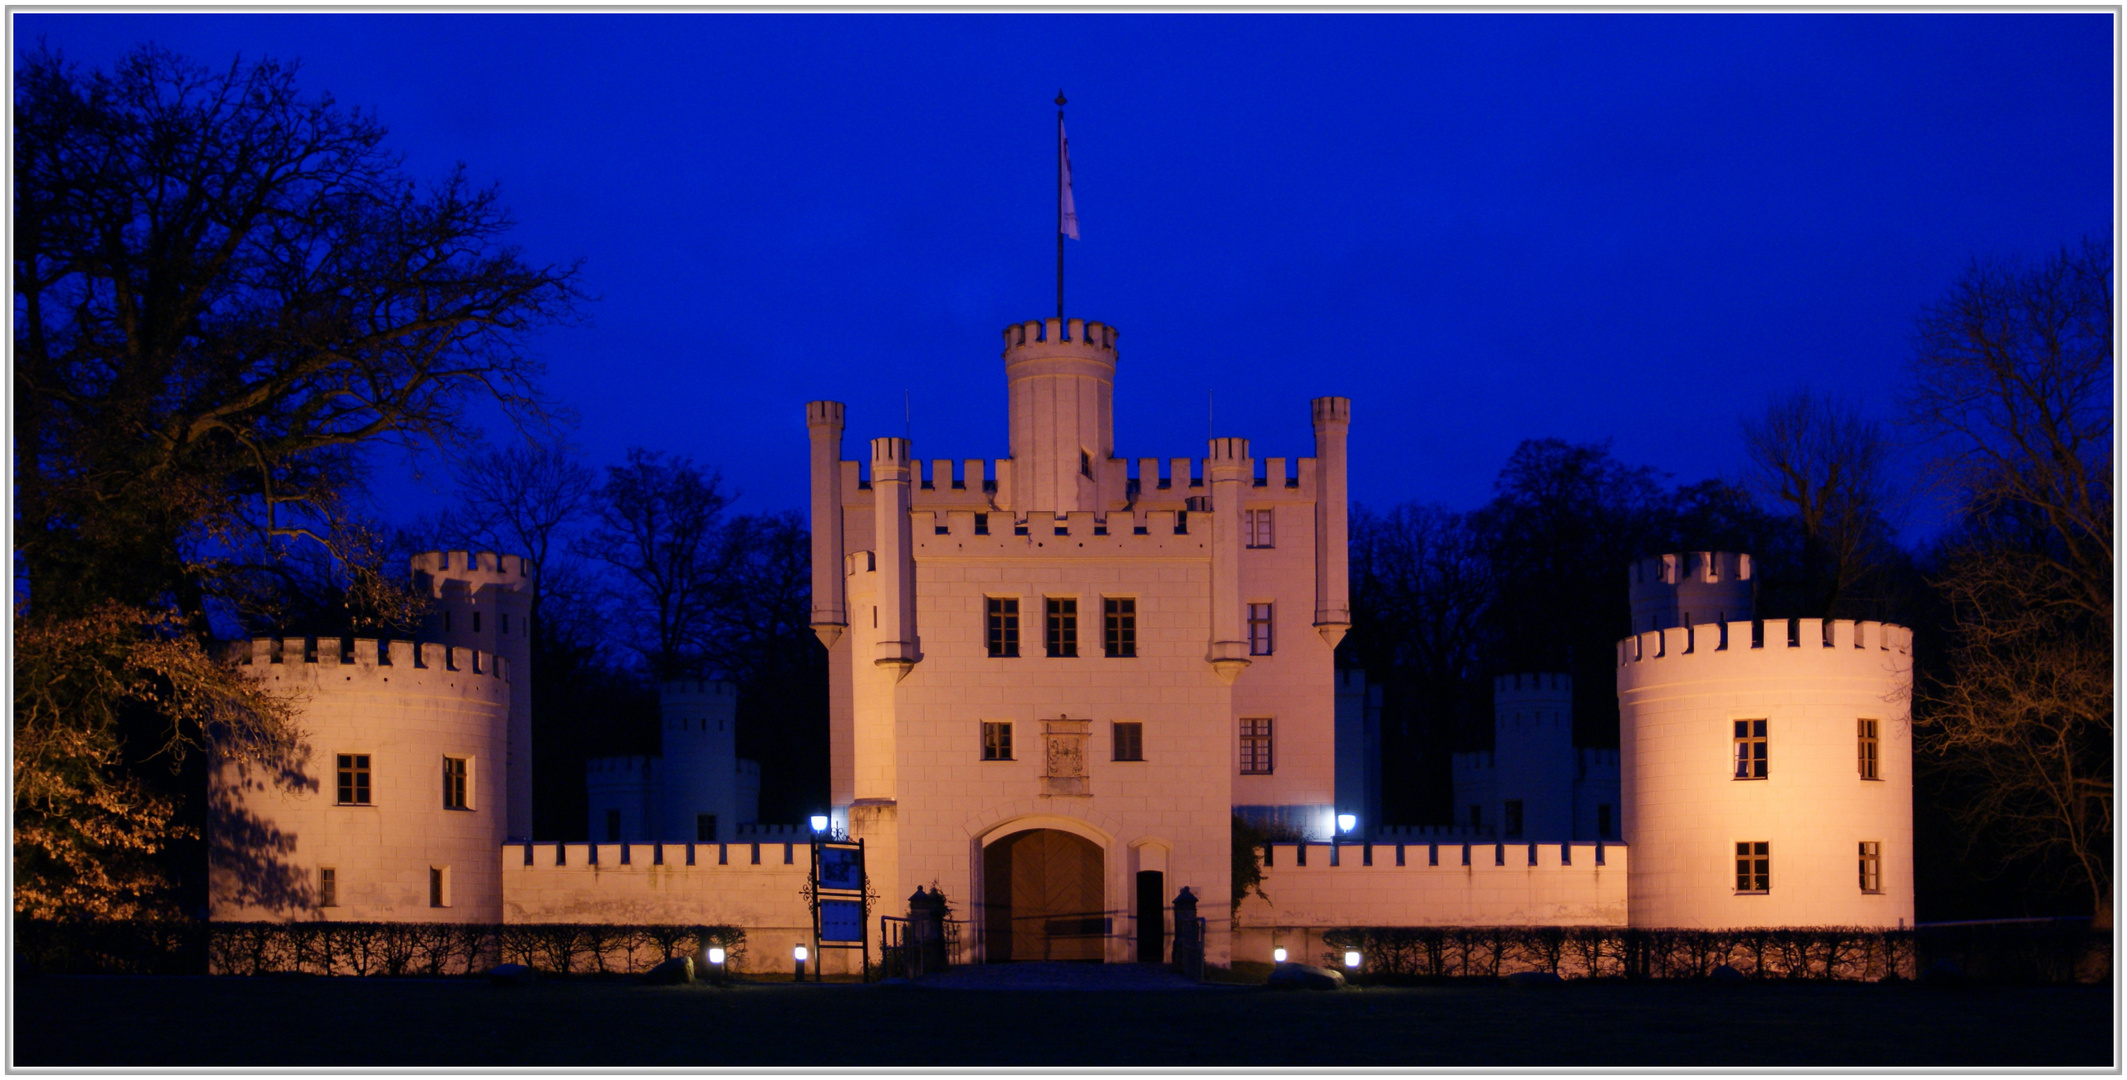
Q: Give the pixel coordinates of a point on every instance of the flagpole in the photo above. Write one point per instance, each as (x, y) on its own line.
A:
(1059, 206)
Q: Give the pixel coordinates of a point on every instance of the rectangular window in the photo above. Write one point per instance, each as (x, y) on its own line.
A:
(1602, 820)
(996, 740)
(455, 771)
(1871, 866)
(1255, 747)
(328, 887)
(1119, 632)
(1129, 740)
(354, 779)
(1061, 623)
(505, 624)
(476, 622)
(1866, 750)
(1261, 530)
(1476, 816)
(1754, 866)
(1750, 749)
(612, 824)
(1259, 641)
(705, 828)
(1004, 625)
(439, 886)
(1513, 822)
(982, 524)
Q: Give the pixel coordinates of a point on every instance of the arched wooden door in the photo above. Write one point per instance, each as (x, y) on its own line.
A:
(1042, 897)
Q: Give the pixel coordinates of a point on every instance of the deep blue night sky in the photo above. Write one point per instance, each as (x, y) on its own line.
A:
(1481, 228)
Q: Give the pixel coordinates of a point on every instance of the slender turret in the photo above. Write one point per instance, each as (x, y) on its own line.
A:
(896, 636)
(1333, 611)
(824, 420)
(1228, 470)
(484, 602)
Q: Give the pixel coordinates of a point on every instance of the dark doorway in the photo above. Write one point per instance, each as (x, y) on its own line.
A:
(1151, 917)
(1042, 898)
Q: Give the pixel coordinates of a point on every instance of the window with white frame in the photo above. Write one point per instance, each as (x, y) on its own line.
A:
(1865, 749)
(328, 887)
(1259, 630)
(457, 783)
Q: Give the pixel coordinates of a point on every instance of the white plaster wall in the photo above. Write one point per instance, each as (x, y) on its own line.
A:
(1346, 892)
(656, 885)
(1679, 693)
(406, 718)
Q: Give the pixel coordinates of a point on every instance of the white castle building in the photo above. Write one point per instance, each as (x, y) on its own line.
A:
(1055, 678)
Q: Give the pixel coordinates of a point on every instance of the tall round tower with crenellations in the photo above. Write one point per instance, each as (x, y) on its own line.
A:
(1766, 766)
(483, 601)
(1060, 389)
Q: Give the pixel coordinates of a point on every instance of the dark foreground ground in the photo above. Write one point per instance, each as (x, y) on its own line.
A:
(297, 1021)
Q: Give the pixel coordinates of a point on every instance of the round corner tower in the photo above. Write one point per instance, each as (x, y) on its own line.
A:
(483, 601)
(699, 764)
(1060, 389)
(1766, 767)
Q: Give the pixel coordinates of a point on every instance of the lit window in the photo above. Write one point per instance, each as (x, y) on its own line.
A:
(328, 887)
(1259, 641)
(705, 828)
(1129, 740)
(1261, 529)
(1871, 866)
(1866, 746)
(354, 779)
(1004, 625)
(1119, 634)
(1061, 624)
(1754, 866)
(1750, 749)
(1513, 822)
(455, 771)
(439, 886)
(996, 740)
(1255, 747)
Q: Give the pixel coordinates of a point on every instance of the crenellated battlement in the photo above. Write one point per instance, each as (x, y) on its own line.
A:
(1326, 411)
(1831, 639)
(1077, 533)
(624, 767)
(1679, 568)
(1546, 684)
(1459, 854)
(697, 690)
(431, 569)
(1423, 834)
(824, 414)
(1050, 337)
(364, 657)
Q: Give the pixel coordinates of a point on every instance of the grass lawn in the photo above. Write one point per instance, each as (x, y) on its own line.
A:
(296, 1021)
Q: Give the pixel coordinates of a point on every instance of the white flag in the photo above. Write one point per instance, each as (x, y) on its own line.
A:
(1066, 210)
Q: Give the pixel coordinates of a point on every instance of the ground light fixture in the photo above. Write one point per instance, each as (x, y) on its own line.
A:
(797, 957)
(1347, 822)
(1351, 959)
(1278, 955)
(716, 963)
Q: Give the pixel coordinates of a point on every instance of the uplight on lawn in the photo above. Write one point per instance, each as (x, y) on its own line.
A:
(1278, 955)
(716, 964)
(1351, 959)
(797, 956)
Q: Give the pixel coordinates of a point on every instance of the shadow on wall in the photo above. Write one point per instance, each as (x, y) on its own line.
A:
(248, 856)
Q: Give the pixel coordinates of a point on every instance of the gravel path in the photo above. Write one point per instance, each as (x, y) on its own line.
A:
(1055, 976)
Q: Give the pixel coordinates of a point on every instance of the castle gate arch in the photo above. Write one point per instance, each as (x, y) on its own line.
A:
(1043, 897)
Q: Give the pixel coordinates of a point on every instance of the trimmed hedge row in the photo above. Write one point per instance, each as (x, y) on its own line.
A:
(2022, 953)
(359, 948)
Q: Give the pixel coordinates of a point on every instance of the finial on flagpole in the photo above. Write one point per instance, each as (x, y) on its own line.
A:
(1059, 97)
